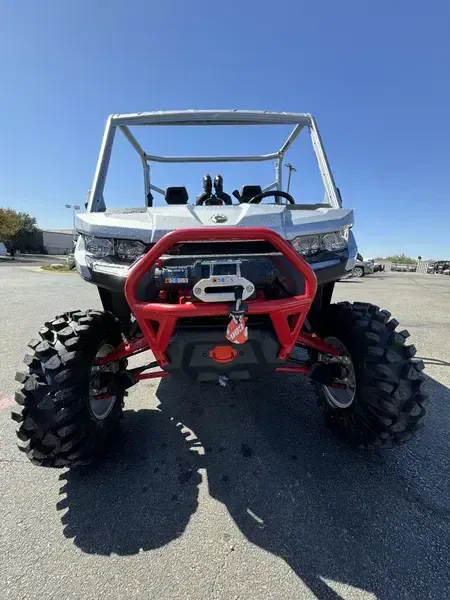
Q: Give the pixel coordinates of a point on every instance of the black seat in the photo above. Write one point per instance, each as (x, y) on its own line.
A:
(249, 191)
(176, 195)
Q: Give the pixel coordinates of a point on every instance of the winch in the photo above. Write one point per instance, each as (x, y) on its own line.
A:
(216, 280)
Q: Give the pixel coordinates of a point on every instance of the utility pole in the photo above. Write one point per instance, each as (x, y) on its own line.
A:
(75, 207)
(291, 168)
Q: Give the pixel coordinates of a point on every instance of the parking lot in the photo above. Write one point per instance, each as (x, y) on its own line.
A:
(236, 493)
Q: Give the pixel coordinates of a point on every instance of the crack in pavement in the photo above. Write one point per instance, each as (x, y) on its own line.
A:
(220, 569)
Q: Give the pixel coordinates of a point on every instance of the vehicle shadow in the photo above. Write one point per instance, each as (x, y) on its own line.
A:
(139, 497)
(376, 521)
(359, 280)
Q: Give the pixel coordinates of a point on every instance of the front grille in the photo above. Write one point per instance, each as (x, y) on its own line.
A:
(221, 248)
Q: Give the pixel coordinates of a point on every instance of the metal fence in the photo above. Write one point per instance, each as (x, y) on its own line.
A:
(421, 265)
(387, 264)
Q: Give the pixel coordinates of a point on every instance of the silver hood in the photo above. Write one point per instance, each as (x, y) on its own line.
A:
(150, 224)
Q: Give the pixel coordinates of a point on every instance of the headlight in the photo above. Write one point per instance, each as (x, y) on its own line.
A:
(99, 247)
(129, 250)
(307, 245)
(123, 249)
(335, 241)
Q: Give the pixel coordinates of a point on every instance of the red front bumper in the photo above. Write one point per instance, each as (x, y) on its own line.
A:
(158, 320)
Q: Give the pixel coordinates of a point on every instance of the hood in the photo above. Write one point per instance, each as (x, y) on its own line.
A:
(150, 224)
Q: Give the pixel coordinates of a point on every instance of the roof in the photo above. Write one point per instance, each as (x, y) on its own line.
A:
(212, 117)
(66, 231)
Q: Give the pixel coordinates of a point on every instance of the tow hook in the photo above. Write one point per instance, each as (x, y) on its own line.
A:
(223, 380)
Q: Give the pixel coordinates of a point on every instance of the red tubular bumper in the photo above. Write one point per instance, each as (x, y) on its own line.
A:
(158, 320)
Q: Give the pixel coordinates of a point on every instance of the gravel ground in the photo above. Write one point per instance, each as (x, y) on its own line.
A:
(230, 494)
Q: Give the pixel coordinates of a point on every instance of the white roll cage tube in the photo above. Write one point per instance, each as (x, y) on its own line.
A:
(96, 201)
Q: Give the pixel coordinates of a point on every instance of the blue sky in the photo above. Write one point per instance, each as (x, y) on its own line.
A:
(376, 75)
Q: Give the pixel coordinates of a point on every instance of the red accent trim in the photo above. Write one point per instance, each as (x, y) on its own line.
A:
(299, 369)
(338, 386)
(124, 350)
(168, 314)
(313, 341)
(102, 396)
(304, 370)
(155, 375)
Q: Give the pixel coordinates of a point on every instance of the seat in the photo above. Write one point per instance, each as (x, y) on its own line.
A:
(249, 191)
(176, 195)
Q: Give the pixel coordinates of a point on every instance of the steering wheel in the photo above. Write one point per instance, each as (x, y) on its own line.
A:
(271, 193)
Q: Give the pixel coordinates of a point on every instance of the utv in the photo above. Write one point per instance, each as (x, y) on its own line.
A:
(226, 288)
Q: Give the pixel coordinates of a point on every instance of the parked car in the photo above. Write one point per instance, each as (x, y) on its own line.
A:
(442, 266)
(362, 267)
(3, 251)
(378, 267)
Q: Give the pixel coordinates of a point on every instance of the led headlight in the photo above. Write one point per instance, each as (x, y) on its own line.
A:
(104, 247)
(307, 245)
(98, 247)
(129, 250)
(335, 241)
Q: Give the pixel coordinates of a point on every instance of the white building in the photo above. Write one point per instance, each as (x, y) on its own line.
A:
(58, 241)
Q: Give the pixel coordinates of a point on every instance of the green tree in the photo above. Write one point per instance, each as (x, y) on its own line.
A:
(20, 230)
(28, 236)
(28, 223)
(402, 259)
(10, 223)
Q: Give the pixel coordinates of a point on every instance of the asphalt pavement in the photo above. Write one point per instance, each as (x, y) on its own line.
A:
(235, 493)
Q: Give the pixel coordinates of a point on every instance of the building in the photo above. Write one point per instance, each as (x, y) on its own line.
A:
(57, 241)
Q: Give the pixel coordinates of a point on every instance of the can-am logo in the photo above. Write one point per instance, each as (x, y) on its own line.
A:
(219, 219)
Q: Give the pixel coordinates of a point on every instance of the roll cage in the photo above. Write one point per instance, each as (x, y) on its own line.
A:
(123, 122)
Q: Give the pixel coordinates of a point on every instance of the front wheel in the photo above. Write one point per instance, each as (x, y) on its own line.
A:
(358, 272)
(382, 400)
(66, 416)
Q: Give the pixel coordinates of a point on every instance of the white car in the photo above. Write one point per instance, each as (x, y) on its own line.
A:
(3, 251)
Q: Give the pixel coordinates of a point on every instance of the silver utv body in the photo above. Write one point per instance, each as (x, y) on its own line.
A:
(149, 223)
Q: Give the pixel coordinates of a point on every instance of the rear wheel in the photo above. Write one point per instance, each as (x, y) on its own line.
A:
(358, 272)
(383, 402)
(66, 416)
